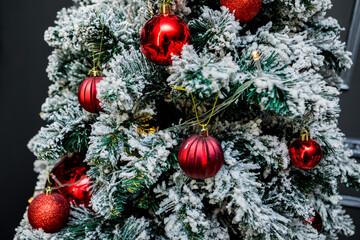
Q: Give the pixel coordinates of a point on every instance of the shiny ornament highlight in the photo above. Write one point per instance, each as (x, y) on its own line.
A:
(87, 94)
(70, 173)
(201, 157)
(48, 211)
(245, 10)
(305, 153)
(316, 222)
(162, 36)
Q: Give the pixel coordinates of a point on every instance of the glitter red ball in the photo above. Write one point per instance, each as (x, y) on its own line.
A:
(201, 157)
(162, 36)
(245, 10)
(49, 212)
(71, 172)
(305, 153)
(87, 94)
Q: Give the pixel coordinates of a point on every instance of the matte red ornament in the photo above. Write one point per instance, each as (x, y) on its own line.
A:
(71, 173)
(201, 157)
(245, 10)
(305, 153)
(49, 211)
(87, 94)
(162, 36)
(316, 222)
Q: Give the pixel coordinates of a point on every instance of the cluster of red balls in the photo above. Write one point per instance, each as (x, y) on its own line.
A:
(162, 37)
(50, 211)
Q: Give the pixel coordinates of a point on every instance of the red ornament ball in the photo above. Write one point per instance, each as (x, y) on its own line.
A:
(245, 10)
(201, 157)
(305, 153)
(87, 94)
(316, 222)
(49, 211)
(162, 36)
(70, 172)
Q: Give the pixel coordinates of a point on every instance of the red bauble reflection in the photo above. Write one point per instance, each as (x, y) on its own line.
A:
(316, 222)
(201, 157)
(245, 10)
(162, 36)
(71, 172)
(305, 154)
(87, 94)
(48, 212)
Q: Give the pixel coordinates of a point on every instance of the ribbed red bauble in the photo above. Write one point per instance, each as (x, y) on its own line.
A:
(87, 94)
(201, 156)
(316, 222)
(305, 153)
(162, 36)
(245, 10)
(49, 211)
(71, 173)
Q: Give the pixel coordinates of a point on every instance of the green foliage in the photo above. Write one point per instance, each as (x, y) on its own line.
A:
(77, 141)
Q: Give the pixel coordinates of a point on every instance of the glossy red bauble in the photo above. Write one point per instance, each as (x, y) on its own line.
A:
(71, 172)
(162, 36)
(87, 94)
(201, 157)
(48, 212)
(245, 10)
(305, 154)
(316, 222)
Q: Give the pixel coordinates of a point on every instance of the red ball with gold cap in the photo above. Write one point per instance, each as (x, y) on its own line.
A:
(48, 211)
(201, 156)
(87, 94)
(305, 153)
(164, 35)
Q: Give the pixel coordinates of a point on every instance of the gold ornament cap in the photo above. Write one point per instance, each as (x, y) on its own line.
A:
(305, 135)
(48, 190)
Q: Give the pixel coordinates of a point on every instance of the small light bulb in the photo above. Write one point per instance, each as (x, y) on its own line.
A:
(256, 58)
(255, 55)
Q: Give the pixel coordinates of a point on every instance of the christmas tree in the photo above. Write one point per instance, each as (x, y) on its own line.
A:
(192, 120)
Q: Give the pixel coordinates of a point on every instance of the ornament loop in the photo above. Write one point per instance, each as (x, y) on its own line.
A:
(95, 65)
(305, 135)
(195, 107)
(165, 7)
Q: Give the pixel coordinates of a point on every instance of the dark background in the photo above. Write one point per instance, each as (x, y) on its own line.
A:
(23, 88)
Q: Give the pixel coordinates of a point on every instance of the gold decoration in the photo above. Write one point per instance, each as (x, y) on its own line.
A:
(30, 199)
(135, 185)
(304, 135)
(144, 126)
(114, 212)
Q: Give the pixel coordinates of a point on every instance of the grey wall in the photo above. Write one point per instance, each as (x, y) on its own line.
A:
(23, 88)
(350, 115)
